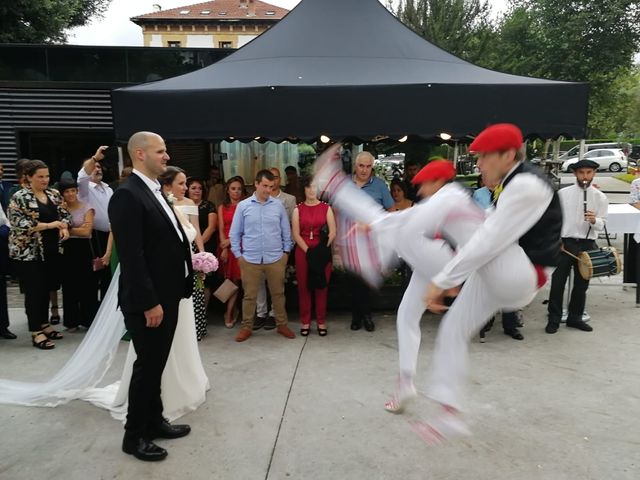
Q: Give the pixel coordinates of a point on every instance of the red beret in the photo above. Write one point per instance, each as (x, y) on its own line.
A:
(497, 138)
(435, 170)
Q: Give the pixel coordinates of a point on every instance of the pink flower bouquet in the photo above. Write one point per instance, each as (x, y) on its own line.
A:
(204, 263)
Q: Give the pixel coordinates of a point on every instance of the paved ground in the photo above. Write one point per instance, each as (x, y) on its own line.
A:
(554, 407)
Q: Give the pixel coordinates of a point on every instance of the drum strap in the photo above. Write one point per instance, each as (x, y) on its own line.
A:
(606, 234)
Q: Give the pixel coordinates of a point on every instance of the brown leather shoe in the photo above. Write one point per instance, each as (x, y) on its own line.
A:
(243, 334)
(286, 332)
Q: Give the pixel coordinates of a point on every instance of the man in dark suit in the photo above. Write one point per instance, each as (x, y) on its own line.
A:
(156, 273)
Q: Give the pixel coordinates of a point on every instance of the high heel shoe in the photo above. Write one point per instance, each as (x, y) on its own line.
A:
(54, 319)
(322, 330)
(304, 330)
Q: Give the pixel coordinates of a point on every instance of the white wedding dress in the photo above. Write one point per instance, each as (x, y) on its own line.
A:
(184, 382)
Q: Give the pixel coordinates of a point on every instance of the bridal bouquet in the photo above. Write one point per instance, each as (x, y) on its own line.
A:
(204, 263)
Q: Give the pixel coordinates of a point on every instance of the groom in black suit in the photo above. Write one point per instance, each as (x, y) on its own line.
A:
(155, 274)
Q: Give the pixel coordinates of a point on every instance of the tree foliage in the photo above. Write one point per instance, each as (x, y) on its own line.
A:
(45, 21)
(572, 40)
(461, 27)
(577, 40)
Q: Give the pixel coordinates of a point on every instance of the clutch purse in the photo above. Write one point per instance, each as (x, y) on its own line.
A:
(225, 290)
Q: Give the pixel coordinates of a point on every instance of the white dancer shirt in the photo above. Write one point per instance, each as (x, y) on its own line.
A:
(522, 203)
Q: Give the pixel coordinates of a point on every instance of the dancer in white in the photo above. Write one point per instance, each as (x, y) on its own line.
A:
(502, 267)
(425, 236)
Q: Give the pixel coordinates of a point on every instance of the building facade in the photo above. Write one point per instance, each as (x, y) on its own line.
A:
(216, 24)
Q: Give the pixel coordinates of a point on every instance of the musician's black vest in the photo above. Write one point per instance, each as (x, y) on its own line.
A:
(542, 242)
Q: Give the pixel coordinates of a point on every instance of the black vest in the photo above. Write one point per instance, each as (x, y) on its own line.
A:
(543, 241)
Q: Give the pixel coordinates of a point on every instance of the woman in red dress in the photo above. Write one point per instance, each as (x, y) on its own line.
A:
(234, 193)
(313, 229)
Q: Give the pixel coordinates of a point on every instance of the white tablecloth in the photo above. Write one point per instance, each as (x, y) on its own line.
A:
(624, 218)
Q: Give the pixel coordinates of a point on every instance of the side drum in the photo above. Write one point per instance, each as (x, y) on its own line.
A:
(602, 262)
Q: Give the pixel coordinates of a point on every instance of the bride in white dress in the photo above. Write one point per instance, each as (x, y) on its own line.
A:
(184, 382)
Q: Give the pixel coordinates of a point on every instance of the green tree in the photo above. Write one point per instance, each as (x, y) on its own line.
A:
(576, 40)
(461, 27)
(45, 21)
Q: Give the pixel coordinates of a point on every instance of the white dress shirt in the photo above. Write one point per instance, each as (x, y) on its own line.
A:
(572, 200)
(97, 196)
(154, 186)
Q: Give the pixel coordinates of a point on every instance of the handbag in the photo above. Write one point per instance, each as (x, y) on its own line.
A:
(225, 291)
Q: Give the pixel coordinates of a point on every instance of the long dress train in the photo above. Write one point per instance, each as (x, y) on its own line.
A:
(184, 382)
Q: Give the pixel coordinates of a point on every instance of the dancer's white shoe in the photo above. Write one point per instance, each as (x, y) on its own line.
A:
(405, 392)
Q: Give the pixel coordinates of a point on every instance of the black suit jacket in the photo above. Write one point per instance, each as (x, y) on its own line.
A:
(152, 257)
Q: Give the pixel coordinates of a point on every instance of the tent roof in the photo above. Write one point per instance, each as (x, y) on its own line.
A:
(354, 56)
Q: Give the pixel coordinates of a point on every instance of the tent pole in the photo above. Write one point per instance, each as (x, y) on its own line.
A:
(583, 149)
(455, 154)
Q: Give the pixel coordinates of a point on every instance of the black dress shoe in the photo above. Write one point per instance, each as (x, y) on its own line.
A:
(8, 335)
(356, 324)
(166, 430)
(259, 322)
(580, 325)
(369, 326)
(515, 334)
(552, 327)
(270, 323)
(143, 449)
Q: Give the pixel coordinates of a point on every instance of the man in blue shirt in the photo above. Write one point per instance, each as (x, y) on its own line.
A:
(377, 189)
(261, 241)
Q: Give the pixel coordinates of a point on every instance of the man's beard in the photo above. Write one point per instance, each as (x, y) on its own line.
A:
(584, 183)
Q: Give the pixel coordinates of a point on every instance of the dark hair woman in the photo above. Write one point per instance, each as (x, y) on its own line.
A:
(208, 222)
(78, 281)
(313, 227)
(400, 194)
(39, 222)
(174, 186)
(234, 194)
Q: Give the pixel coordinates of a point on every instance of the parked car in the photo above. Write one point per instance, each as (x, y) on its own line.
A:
(573, 152)
(612, 159)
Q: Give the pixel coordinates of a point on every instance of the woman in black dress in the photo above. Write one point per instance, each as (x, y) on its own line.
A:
(39, 225)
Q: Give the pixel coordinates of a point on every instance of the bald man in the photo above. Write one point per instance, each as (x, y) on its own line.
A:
(155, 274)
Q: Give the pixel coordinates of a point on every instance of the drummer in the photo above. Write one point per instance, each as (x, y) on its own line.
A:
(584, 210)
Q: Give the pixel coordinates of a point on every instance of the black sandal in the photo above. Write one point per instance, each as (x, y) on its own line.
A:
(55, 319)
(45, 344)
(304, 331)
(322, 332)
(53, 334)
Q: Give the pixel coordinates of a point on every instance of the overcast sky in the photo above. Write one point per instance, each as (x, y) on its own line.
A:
(116, 28)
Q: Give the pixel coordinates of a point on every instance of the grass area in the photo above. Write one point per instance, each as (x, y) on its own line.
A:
(626, 177)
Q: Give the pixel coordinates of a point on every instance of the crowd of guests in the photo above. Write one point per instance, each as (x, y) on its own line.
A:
(57, 237)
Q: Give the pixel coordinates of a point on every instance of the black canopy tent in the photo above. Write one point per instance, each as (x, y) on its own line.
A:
(348, 70)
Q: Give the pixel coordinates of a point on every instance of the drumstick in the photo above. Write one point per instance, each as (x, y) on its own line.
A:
(572, 255)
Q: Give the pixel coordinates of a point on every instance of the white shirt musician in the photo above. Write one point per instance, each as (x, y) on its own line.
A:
(584, 209)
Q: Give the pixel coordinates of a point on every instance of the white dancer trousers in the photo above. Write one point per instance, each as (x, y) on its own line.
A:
(509, 282)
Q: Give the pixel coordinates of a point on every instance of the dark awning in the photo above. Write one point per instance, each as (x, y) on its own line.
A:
(346, 69)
